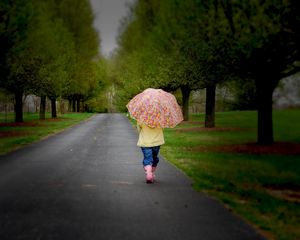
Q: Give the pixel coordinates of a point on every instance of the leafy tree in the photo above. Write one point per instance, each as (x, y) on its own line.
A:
(267, 42)
(96, 99)
(150, 51)
(133, 60)
(206, 44)
(170, 37)
(79, 21)
(16, 17)
(244, 95)
(49, 52)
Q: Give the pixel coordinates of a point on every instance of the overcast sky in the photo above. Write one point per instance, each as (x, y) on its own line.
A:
(107, 17)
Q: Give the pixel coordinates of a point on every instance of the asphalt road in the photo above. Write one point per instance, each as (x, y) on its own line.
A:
(87, 183)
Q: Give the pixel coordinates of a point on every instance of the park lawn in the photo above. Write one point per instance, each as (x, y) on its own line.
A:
(15, 135)
(260, 184)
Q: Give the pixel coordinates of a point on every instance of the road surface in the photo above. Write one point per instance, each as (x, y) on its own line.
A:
(87, 183)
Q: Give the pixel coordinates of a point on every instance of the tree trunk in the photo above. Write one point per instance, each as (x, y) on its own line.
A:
(264, 115)
(70, 105)
(185, 91)
(78, 104)
(19, 107)
(43, 108)
(73, 104)
(210, 106)
(53, 108)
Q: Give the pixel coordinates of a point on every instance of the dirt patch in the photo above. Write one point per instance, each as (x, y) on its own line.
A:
(288, 192)
(215, 129)
(13, 134)
(194, 122)
(279, 148)
(23, 124)
(54, 119)
(34, 123)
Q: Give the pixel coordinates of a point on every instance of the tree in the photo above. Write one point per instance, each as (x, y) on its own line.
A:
(16, 17)
(79, 21)
(151, 43)
(267, 41)
(207, 44)
(49, 52)
(134, 61)
(170, 36)
(243, 93)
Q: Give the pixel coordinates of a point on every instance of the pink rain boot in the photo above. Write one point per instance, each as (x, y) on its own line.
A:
(149, 174)
(153, 170)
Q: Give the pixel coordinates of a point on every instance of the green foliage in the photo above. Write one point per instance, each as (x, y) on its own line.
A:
(48, 54)
(244, 95)
(5, 96)
(140, 63)
(79, 22)
(96, 99)
(16, 18)
(267, 37)
(205, 42)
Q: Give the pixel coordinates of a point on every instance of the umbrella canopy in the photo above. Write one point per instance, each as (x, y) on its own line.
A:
(155, 108)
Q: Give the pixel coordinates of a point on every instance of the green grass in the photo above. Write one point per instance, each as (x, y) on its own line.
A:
(263, 188)
(13, 136)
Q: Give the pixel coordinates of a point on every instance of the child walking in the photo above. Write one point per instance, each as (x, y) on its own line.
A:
(150, 140)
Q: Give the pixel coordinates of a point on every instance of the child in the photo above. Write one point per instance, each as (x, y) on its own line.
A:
(150, 140)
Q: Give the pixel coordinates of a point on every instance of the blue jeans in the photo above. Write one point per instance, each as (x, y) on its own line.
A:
(150, 155)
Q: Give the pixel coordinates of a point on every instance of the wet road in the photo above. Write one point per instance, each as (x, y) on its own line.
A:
(87, 183)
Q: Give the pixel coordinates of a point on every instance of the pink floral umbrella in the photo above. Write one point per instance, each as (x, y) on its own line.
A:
(155, 108)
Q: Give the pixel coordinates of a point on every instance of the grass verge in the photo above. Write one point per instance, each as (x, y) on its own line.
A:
(16, 135)
(261, 184)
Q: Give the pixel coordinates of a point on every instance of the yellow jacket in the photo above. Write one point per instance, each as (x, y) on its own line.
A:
(149, 137)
